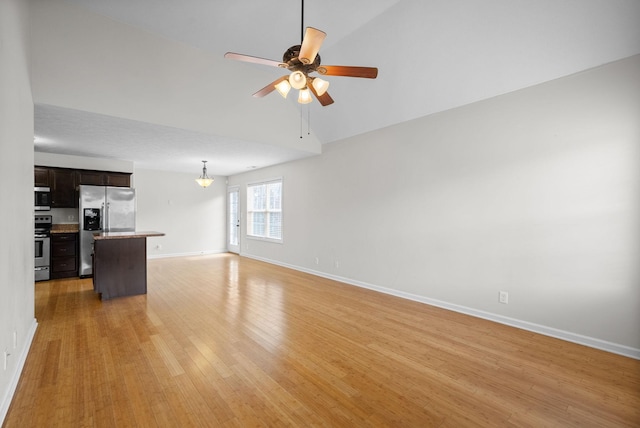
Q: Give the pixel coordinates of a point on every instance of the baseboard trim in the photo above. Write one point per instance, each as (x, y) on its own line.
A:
(8, 397)
(524, 325)
(191, 254)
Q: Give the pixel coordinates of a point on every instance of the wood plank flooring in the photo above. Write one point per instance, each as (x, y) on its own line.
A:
(226, 341)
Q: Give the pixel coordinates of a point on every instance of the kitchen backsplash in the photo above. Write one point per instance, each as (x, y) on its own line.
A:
(62, 215)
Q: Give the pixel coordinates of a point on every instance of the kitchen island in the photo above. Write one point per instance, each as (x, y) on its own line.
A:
(120, 263)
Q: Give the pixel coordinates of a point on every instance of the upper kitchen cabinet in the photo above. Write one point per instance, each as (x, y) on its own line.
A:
(93, 178)
(63, 188)
(103, 178)
(41, 177)
(64, 182)
(118, 179)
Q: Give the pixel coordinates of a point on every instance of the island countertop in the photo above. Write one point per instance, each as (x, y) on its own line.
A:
(125, 235)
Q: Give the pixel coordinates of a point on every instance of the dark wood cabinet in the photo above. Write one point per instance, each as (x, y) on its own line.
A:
(64, 182)
(63, 188)
(118, 179)
(120, 263)
(64, 255)
(103, 178)
(93, 178)
(41, 177)
(120, 267)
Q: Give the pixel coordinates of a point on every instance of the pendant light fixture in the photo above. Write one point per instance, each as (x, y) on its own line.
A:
(204, 179)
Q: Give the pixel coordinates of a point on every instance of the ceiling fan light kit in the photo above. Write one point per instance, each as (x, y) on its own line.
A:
(283, 88)
(304, 96)
(302, 60)
(298, 80)
(319, 85)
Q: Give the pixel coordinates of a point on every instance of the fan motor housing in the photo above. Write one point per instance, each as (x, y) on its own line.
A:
(290, 58)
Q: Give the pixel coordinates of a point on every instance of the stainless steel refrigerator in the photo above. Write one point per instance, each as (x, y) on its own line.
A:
(103, 209)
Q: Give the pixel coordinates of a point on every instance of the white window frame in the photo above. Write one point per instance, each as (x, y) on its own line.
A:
(249, 211)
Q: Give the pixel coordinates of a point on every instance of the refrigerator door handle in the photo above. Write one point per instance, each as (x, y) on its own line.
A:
(108, 216)
(103, 215)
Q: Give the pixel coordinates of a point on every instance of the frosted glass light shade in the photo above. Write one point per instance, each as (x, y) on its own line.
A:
(297, 80)
(320, 85)
(204, 182)
(283, 88)
(305, 96)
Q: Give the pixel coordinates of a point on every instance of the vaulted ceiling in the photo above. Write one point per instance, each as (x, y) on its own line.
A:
(146, 80)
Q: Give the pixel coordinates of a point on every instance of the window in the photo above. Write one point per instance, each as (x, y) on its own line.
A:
(264, 210)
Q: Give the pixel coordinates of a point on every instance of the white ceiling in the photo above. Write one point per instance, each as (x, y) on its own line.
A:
(432, 55)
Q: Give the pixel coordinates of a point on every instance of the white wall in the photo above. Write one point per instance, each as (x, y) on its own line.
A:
(536, 193)
(16, 213)
(192, 218)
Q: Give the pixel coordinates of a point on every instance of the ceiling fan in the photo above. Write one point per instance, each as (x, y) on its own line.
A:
(302, 60)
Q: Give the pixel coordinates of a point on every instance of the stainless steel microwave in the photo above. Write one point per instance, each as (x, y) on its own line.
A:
(42, 199)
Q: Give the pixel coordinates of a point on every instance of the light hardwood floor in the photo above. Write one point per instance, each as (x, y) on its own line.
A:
(226, 341)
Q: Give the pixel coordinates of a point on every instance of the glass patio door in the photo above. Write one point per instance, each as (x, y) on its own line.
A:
(233, 220)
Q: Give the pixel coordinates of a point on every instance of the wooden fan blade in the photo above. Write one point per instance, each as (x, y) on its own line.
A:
(325, 99)
(311, 43)
(253, 59)
(270, 87)
(344, 70)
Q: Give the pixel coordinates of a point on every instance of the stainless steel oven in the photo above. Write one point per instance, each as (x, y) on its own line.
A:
(42, 246)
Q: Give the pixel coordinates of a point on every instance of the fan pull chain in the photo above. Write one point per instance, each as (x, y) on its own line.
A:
(308, 120)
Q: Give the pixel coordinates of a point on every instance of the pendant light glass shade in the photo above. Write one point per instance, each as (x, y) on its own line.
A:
(305, 96)
(204, 180)
(283, 88)
(297, 80)
(320, 85)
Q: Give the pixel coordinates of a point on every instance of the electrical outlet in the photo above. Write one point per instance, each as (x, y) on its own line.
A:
(503, 297)
(6, 357)
(337, 264)
(15, 339)
(317, 261)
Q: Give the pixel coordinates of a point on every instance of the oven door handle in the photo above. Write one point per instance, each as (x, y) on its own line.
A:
(41, 236)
